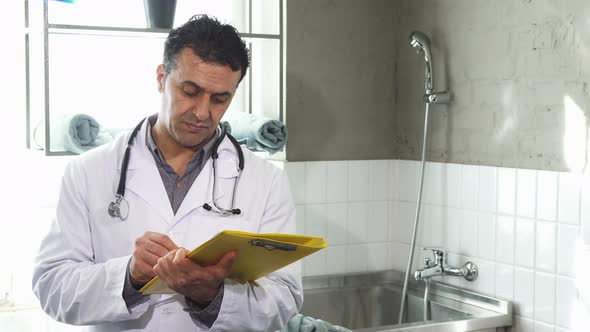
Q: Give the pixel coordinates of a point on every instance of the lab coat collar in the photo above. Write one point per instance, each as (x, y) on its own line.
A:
(140, 154)
(143, 175)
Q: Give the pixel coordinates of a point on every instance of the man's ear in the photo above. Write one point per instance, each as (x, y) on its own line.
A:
(161, 76)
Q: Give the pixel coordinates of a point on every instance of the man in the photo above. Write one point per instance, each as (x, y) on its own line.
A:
(91, 264)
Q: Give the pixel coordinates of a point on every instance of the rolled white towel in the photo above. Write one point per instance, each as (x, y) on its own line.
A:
(256, 132)
(75, 133)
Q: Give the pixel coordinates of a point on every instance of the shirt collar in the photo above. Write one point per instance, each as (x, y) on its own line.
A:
(201, 155)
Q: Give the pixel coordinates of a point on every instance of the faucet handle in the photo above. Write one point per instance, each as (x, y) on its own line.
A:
(438, 254)
(435, 250)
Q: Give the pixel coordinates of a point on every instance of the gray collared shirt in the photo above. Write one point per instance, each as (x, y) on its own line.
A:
(177, 187)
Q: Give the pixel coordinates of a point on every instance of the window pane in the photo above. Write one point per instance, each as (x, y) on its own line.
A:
(234, 12)
(265, 16)
(113, 79)
(265, 77)
(131, 14)
(110, 13)
(240, 101)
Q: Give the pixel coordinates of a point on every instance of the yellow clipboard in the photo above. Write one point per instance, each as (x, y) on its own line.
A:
(258, 255)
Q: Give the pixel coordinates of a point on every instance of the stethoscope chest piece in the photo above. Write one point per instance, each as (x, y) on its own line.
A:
(119, 208)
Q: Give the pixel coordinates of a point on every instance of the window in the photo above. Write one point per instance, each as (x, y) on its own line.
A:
(100, 60)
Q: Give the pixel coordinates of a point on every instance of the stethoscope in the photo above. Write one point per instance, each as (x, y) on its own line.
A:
(119, 208)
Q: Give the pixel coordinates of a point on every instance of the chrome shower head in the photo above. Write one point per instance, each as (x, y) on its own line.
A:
(421, 42)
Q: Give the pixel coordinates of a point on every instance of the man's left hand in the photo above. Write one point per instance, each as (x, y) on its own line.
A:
(199, 283)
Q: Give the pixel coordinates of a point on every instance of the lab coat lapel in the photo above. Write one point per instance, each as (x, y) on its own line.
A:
(201, 190)
(199, 193)
(145, 181)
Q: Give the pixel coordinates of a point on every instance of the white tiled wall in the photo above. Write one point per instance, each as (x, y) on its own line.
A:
(351, 204)
(524, 228)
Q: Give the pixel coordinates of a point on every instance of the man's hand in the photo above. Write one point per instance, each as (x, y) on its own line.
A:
(199, 283)
(148, 249)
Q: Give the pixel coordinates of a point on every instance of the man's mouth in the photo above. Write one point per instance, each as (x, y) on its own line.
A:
(196, 127)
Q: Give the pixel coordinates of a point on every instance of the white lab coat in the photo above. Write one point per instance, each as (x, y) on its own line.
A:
(80, 270)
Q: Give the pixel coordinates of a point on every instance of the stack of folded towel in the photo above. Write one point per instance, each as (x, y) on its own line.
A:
(257, 133)
(78, 133)
(300, 323)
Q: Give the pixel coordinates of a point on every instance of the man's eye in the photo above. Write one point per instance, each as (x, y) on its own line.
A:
(220, 99)
(191, 91)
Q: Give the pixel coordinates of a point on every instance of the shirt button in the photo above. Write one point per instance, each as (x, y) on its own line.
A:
(179, 185)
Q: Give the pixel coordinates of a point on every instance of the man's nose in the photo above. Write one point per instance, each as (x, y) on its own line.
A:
(201, 108)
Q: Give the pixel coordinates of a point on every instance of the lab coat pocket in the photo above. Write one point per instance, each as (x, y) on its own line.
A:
(113, 237)
(205, 224)
(110, 236)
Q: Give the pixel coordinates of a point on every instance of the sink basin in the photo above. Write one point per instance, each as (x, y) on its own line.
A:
(370, 302)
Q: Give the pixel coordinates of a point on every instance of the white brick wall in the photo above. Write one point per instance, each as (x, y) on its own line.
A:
(510, 64)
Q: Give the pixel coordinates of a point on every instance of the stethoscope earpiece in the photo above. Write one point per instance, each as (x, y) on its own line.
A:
(236, 212)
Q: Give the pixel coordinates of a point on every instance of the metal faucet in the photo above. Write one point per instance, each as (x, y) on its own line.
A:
(440, 267)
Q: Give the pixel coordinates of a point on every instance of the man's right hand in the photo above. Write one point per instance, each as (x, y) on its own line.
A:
(148, 249)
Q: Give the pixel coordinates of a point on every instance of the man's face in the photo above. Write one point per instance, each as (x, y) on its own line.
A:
(195, 95)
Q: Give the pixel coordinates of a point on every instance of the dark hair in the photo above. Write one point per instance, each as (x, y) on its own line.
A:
(210, 40)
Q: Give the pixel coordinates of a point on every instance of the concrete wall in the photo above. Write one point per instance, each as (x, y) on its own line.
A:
(519, 71)
(340, 79)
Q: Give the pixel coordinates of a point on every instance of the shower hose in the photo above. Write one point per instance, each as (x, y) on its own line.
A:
(418, 207)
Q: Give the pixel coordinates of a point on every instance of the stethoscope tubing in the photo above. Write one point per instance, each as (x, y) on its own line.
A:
(114, 209)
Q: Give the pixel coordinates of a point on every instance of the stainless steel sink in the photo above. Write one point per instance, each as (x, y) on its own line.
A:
(370, 302)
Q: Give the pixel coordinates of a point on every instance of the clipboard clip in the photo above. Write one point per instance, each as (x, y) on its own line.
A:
(270, 245)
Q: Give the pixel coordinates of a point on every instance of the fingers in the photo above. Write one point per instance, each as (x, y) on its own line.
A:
(176, 262)
(156, 243)
(179, 262)
(180, 256)
(146, 256)
(140, 271)
(186, 277)
(151, 246)
(226, 262)
(163, 268)
(148, 249)
(162, 240)
(219, 270)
